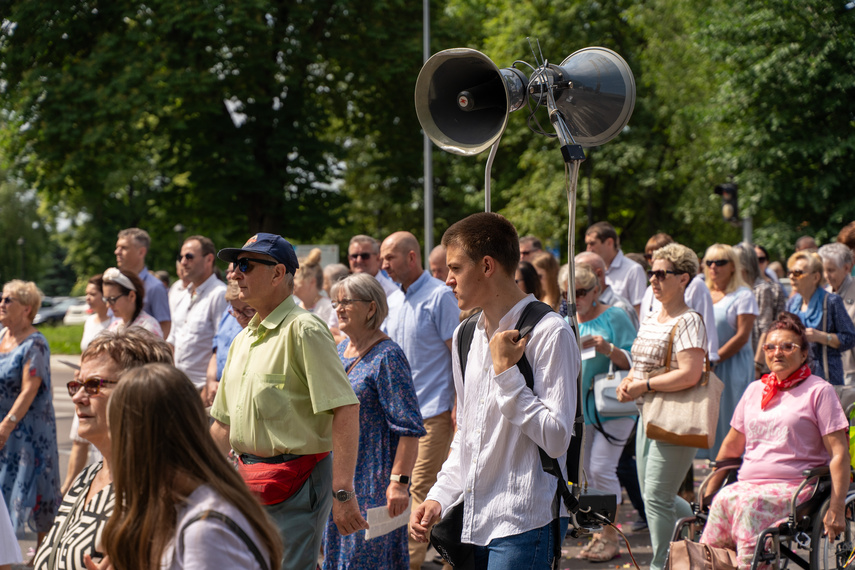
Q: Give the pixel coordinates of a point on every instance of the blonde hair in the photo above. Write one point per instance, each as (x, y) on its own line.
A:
(724, 250)
(232, 290)
(310, 268)
(586, 278)
(159, 436)
(27, 294)
(547, 263)
(814, 261)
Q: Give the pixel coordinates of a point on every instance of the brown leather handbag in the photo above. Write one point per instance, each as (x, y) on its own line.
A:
(688, 555)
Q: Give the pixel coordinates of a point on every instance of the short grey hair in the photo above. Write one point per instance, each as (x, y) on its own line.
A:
(837, 253)
(366, 287)
(361, 238)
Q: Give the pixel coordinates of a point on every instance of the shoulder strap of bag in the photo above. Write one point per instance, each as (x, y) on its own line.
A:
(670, 345)
(233, 526)
(825, 330)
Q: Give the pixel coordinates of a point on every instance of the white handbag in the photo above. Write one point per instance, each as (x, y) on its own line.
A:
(605, 396)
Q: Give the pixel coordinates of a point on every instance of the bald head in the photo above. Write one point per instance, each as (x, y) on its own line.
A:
(596, 263)
(437, 263)
(401, 258)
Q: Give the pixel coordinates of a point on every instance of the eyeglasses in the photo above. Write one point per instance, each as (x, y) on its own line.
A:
(189, 256)
(762, 259)
(249, 312)
(365, 256)
(91, 385)
(661, 274)
(580, 293)
(7, 300)
(525, 252)
(786, 347)
(717, 262)
(242, 264)
(796, 273)
(648, 257)
(344, 303)
(112, 300)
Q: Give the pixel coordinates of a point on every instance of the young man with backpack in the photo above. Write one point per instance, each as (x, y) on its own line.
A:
(511, 511)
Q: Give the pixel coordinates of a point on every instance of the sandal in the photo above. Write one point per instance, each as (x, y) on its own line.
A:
(586, 550)
(603, 551)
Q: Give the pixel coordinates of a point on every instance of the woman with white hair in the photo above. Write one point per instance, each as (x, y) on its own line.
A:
(837, 262)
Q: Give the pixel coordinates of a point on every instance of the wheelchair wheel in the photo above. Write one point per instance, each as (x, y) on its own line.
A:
(828, 554)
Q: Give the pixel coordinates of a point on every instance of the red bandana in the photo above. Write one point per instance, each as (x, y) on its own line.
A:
(773, 383)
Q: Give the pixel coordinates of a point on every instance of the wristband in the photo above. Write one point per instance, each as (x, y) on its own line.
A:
(649, 389)
(828, 339)
(611, 349)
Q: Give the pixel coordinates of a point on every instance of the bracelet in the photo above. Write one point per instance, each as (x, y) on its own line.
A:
(649, 389)
(828, 339)
(611, 349)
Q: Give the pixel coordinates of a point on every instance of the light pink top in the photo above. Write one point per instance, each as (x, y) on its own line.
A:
(144, 320)
(786, 438)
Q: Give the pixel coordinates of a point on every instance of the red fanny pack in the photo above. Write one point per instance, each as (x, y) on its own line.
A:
(272, 483)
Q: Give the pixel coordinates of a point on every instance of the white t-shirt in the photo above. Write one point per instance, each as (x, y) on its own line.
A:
(325, 311)
(93, 327)
(210, 543)
(743, 304)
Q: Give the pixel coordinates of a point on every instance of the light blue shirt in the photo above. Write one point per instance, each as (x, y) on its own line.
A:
(420, 321)
(156, 300)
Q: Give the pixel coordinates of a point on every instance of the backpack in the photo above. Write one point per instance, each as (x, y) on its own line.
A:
(531, 315)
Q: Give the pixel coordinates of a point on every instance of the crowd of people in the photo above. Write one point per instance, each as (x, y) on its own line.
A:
(254, 421)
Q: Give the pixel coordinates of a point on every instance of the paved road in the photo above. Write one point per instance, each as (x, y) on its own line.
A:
(639, 542)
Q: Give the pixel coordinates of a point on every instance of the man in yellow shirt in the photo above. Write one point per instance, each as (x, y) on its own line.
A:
(284, 400)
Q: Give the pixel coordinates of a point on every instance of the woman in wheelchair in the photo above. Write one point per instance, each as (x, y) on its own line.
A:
(787, 422)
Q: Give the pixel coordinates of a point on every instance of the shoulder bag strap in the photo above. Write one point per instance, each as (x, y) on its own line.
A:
(671, 345)
(233, 526)
(825, 330)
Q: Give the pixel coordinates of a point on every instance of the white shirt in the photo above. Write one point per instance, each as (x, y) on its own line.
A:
(93, 327)
(195, 319)
(627, 278)
(389, 286)
(494, 462)
(209, 543)
(698, 298)
(175, 292)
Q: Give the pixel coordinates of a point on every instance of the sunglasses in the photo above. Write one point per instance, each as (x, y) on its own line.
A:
(242, 264)
(762, 259)
(249, 312)
(581, 293)
(344, 303)
(525, 252)
(112, 300)
(189, 256)
(7, 300)
(717, 262)
(661, 274)
(648, 257)
(91, 386)
(786, 347)
(796, 273)
(362, 256)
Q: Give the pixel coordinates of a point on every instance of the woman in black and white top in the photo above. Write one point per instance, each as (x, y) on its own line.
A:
(77, 528)
(663, 466)
(179, 504)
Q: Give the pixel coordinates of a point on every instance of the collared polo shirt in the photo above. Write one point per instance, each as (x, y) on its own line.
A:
(195, 320)
(281, 383)
(420, 321)
(627, 278)
(155, 301)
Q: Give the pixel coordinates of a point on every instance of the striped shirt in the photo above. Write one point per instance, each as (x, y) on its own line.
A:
(85, 523)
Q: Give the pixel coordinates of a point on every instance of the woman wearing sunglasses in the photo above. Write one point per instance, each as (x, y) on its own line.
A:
(828, 327)
(662, 467)
(735, 309)
(29, 460)
(787, 422)
(612, 334)
(89, 502)
(124, 293)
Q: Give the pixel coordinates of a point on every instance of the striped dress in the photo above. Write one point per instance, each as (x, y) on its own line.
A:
(79, 523)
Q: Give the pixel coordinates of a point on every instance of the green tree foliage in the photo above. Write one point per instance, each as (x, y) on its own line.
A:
(23, 239)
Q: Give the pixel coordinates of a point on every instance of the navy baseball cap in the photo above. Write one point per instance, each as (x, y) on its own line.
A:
(273, 245)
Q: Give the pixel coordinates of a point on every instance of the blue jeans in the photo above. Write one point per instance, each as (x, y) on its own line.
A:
(302, 518)
(532, 550)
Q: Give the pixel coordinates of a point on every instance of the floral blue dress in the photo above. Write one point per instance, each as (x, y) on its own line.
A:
(388, 410)
(29, 462)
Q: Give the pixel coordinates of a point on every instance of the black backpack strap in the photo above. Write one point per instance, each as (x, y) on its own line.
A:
(233, 526)
(465, 334)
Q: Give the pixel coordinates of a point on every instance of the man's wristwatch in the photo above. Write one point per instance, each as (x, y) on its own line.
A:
(343, 496)
(405, 479)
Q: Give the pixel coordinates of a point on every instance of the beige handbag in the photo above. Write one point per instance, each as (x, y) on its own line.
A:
(687, 555)
(688, 417)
